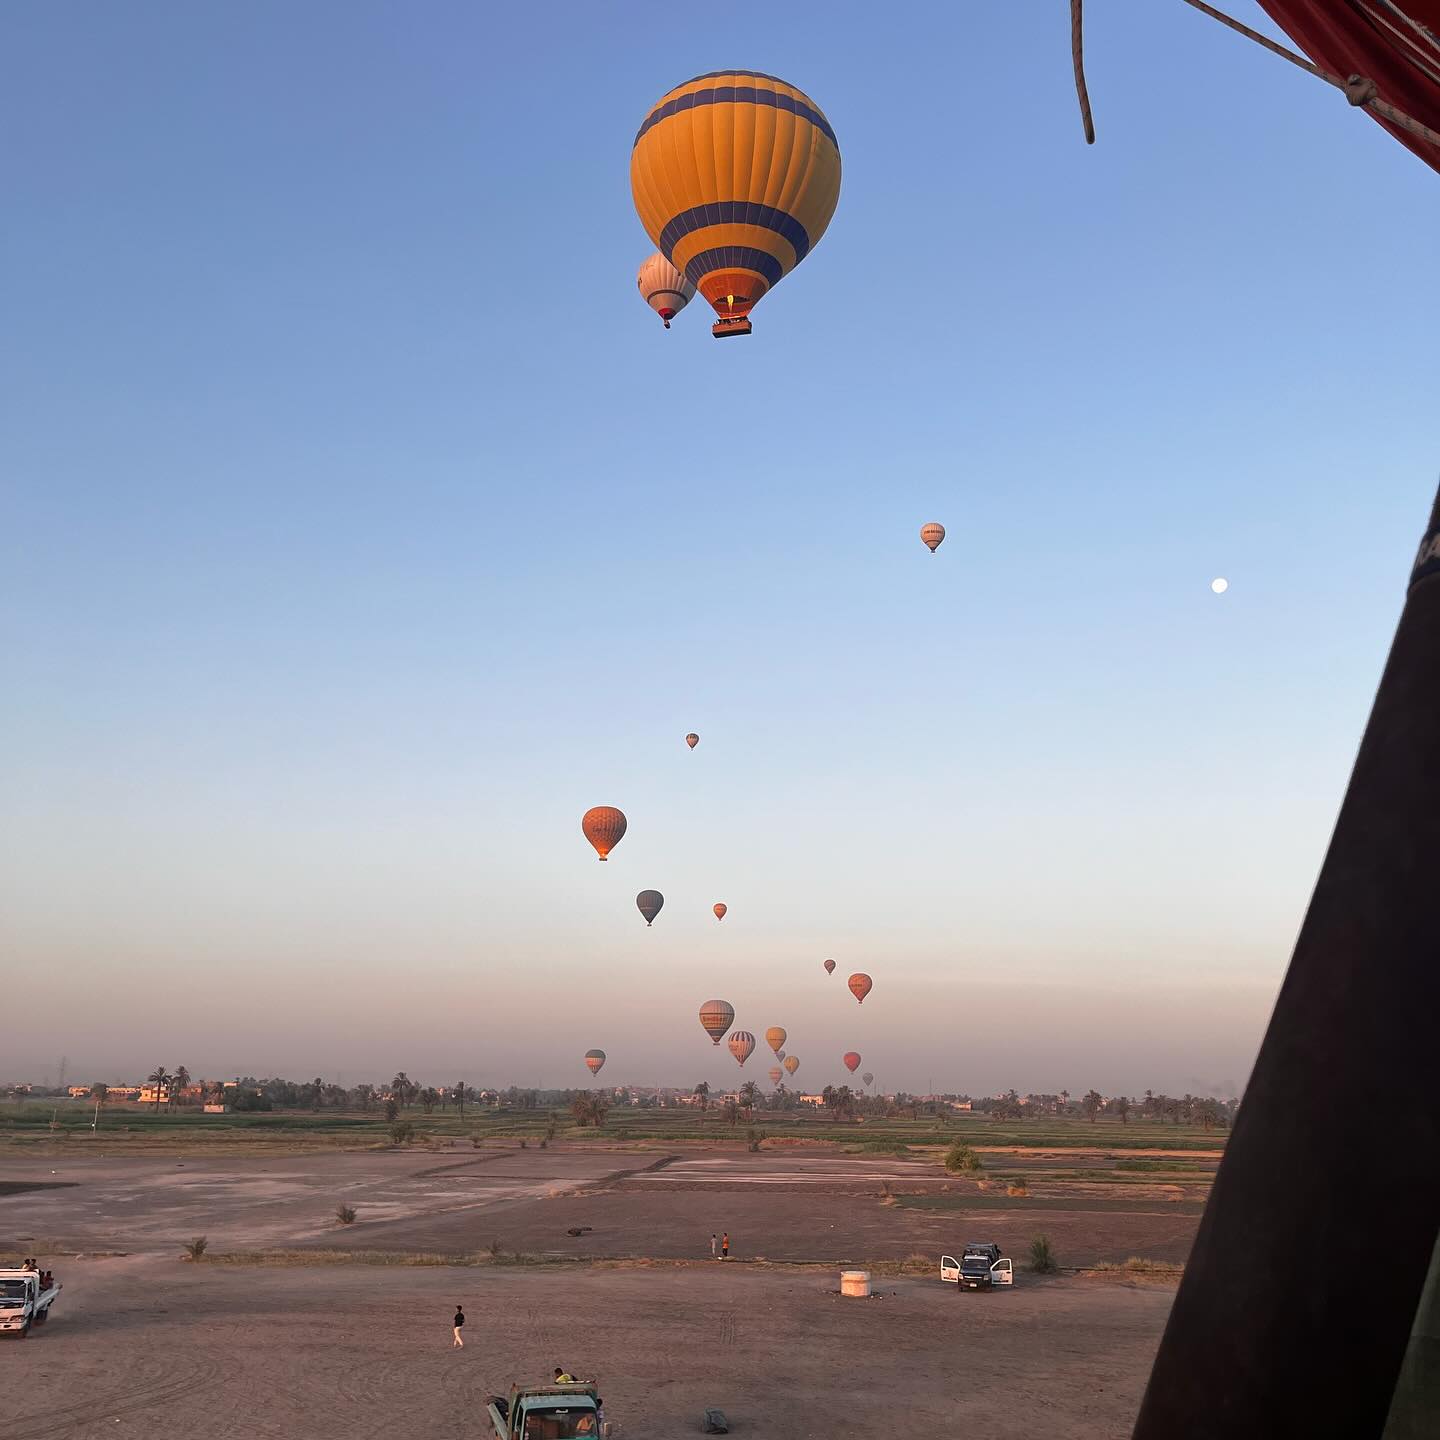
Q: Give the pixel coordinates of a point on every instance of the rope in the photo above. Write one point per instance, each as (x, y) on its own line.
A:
(1077, 59)
(1359, 91)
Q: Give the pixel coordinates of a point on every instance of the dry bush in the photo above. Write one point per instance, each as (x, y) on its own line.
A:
(345, 1214)
(1017, 1186)
(195, 1249)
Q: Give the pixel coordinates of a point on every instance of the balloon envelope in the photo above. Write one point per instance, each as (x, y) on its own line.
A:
(868, 1078)
(717, 1017)
(852, 1061)
(741, 1043)
(775, 1073)
(604, 827)
(595, 1059)
(860, 986)
(735, 176)
(664, 289)
(791, 1064)
(775, 1038)
(932, 535)
(648, 902)
(692, 739)
(829, 967)
(780, 1055)
(720, 908)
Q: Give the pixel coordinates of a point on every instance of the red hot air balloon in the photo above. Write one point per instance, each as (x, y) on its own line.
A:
(860, 986)
(720, 908)
(648, 902)
(775, 1073)
(829, 967)
(604, 828)
(852, 1061)
(741, 1043)
(595, 1059)
(717, 1017)
(692, 739)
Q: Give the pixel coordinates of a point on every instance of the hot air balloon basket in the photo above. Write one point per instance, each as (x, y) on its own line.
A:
(734, 325)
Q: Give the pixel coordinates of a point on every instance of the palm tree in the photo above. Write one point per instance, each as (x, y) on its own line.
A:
(178, 1081)
(429, 1098)
(1092, 1102)
(159, 1079)
(1122, 1109)
(1064, 1101)
(749, 1093)
(732, 1112)
(702, 1091)
(365, 1096)
(459, 1093)
(400, 1088)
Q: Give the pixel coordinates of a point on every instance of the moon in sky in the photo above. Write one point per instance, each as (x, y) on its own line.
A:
(1220, 585)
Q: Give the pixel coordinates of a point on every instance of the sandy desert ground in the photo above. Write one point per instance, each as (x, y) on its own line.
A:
(144, 1344)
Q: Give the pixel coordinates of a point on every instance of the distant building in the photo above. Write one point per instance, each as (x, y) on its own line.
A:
(213, 1109)
(812, 1099)
(78, 1092)
(154, 1094)
(961, 1105)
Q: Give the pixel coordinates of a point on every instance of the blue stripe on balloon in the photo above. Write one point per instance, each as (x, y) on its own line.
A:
(726, 257)
(736, 94)
(736, 212)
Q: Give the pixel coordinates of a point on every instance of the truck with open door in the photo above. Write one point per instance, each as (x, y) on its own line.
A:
(980, 1267)
(24, 1301)
(546, 1412)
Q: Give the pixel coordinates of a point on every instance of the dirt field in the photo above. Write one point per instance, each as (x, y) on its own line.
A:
(148, 1347)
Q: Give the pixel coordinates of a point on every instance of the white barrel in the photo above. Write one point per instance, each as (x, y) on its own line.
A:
(855, 1282)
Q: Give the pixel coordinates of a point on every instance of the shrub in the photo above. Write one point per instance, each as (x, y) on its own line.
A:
(195, 1249)
(402, 1132)
(753, 1139)
(1042, 1257)
(524, 1144)
(887, 1195)
(345, 1214)
(1017, 1186)
(960, 1159)
(494, 1249)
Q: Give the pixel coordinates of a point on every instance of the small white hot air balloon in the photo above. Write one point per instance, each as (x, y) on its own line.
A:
(665, 290)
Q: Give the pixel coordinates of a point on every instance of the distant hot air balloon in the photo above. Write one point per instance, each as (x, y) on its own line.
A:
(692, 739)
(664, 289)
(720, 908)
(648, 902)
(595, 1059)
(860, 986)
(717, 1017)
(868, 1078)
(604, 828)
(932, 534)
(775, 1072)
(775, 1038)
(791, 1064)
(735, 176)
(829, 967)
(741, 1043)
(852, 1061)
(780, 1055)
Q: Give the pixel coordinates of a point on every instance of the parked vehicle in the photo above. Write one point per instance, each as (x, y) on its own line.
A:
(546, 1412)
(23, 1301)
(980, 1267)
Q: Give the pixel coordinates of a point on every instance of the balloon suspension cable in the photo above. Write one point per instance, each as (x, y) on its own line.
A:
(1357, 89)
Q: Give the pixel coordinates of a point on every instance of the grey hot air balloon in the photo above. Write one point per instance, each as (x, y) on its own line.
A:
(648, 902)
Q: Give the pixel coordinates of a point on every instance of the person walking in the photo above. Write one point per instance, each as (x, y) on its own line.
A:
(459, 1326)
(725, 1246)
(714, 1246)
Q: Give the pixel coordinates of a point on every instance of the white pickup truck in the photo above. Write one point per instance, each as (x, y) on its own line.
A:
(22, 1302)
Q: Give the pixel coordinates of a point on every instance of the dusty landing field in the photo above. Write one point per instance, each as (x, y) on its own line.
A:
(636, 1204)
(146, 1348)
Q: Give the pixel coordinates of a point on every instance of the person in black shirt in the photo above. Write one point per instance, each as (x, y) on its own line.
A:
(459, 1326)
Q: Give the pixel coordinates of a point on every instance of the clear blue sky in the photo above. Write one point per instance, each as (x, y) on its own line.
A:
(362, 528)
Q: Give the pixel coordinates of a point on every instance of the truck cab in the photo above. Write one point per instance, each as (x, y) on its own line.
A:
(980, 1267)
(546, 1412)
(23, 1302)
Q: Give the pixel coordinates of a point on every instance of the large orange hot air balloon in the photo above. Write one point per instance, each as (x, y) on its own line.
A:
(604, 828)
(860, 986)
(692, 739)
(735, 176)
(829, 967)
(775, 1038)
(741, 1043)
(720, 908)
(775, 1072)
(852, 1061)
(791, 1064)
(664, 289)
(716, 1017)
(595, 1059)
(932, 534)
(648, 902)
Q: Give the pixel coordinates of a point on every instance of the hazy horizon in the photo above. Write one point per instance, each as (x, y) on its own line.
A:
(363, 529)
